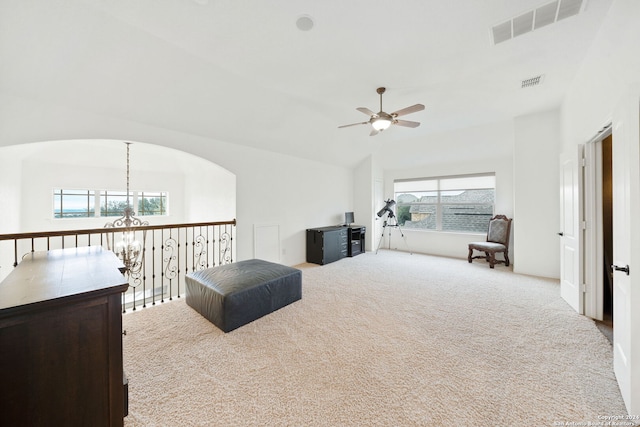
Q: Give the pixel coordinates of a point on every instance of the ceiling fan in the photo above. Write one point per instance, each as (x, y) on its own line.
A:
(381, 120)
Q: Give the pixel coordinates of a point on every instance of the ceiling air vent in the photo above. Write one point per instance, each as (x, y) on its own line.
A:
(539, 17)
(568, 8)
(501, 32)
(546, 14)
(523, 24)
(532, 81)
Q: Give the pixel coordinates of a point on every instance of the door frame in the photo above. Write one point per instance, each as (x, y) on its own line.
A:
(625, 132)
(593, 233)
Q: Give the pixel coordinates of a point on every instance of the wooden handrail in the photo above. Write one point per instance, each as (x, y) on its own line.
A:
(39, 234)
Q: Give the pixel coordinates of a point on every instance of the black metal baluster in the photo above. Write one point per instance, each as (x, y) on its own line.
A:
(15, 253)
(153, 266)
(178, 277)
(193, 251)
(163, 267)
(161, 259)
(207, 245)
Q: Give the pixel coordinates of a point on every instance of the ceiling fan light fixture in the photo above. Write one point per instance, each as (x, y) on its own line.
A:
(381, 124)
(381, 121)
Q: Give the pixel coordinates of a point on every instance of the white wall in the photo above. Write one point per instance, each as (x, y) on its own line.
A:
(610, 70)
(365, 201)
(609, 74)
(219, 199)
(296, 194)
(10, 190)
(270, 188)
(536, 196)
(39, 179)
(30, 173)
(101, 165)
(492, 148)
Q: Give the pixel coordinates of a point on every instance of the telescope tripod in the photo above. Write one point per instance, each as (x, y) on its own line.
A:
(396, 225)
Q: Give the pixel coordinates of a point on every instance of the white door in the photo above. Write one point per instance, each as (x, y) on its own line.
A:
(570, 219)
(626, 235)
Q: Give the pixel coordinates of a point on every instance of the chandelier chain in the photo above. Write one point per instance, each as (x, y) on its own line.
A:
(128, 144)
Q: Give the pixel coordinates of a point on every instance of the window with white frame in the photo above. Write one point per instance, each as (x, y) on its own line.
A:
(152, 203)
(103, 203)
(73, 203)
(112, 203)
(454, 203)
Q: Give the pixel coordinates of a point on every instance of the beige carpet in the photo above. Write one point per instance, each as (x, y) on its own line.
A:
(391, 339)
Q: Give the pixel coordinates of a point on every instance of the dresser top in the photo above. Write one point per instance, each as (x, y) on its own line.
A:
(61, 273)
(335, 227)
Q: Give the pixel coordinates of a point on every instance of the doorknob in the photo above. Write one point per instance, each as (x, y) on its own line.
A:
(561, 234)
(625, 268)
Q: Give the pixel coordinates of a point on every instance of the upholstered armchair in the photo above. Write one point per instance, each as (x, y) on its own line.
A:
(497, 241)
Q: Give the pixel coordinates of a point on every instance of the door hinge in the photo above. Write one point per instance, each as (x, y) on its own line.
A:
(584, 162)
(584, 288)
(584, 225)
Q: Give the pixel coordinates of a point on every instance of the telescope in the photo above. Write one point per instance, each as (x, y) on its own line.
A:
(387, 208)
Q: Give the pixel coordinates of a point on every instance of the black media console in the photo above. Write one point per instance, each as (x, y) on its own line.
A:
(329, 244)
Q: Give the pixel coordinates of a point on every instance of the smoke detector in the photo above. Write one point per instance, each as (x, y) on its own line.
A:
(304, 23)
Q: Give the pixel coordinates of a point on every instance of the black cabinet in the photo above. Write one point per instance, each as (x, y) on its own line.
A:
(329, 244)
(356, 240)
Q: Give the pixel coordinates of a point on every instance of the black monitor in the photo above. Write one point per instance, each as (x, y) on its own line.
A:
(348, 218)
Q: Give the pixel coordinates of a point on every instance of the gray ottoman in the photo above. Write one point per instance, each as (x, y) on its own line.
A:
(233, 295)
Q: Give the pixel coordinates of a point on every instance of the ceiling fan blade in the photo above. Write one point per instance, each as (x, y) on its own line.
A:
(408, 110)
(366, 111)
(373, 132)
(353, 124)
(406, 123)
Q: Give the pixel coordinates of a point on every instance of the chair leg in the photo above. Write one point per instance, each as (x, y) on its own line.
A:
(470, 255)
(487, 257)
(492, 261)
(506, 259)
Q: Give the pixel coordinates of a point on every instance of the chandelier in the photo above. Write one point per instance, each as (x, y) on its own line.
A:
(128, 249)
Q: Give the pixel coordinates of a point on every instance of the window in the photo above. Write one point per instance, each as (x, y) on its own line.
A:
(152, 204)
(73, 203)
(112, 203)
(94, 203)
(458, 203)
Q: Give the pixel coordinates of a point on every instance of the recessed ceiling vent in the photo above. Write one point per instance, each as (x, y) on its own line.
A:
(532, 81)
(539, 17)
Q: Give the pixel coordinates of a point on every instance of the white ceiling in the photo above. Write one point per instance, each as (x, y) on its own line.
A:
(241, 71)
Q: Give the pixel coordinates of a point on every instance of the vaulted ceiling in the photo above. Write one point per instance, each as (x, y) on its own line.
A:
(242, 71)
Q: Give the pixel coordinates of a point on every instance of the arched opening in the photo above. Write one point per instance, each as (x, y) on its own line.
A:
(31, 176)
(198, 190)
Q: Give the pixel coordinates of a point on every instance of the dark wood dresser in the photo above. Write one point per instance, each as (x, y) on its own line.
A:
(61, 340)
